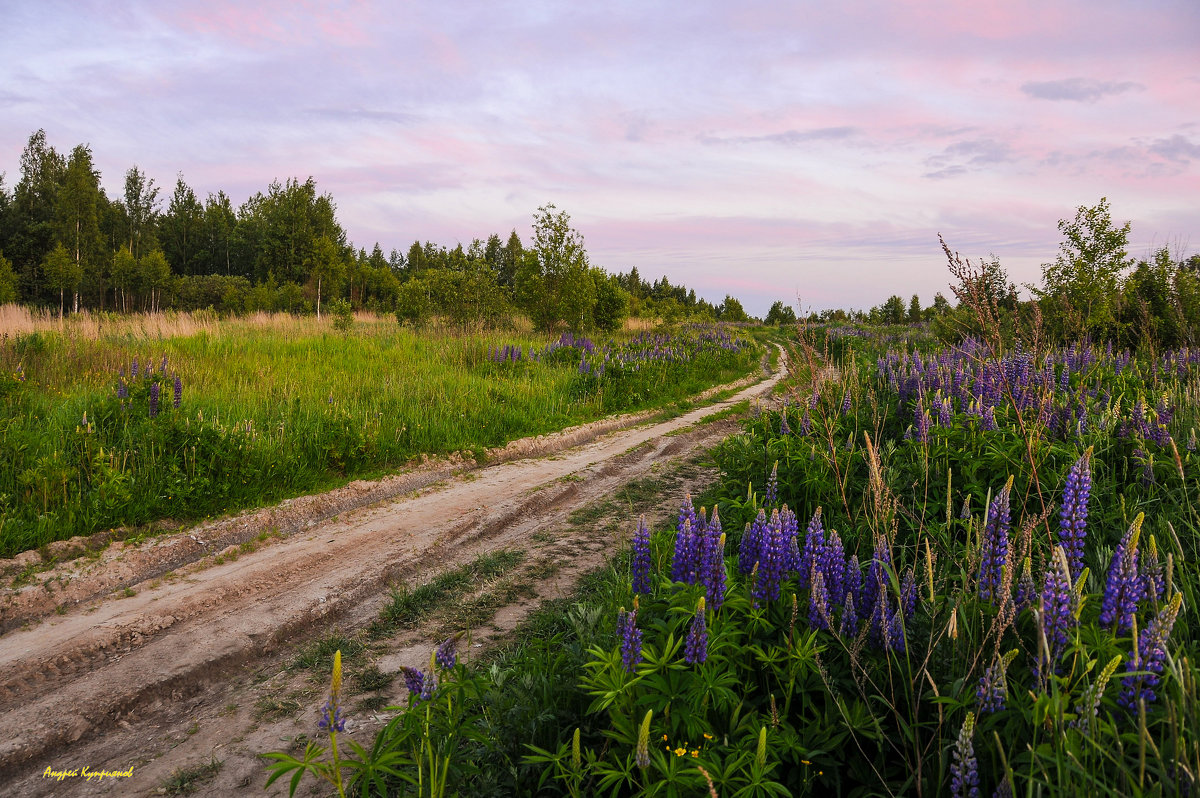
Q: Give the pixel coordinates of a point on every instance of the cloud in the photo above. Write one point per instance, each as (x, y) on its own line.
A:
(789, 138)
(1082, 90)
(363, 114)
(965, 156)
(1177, 149)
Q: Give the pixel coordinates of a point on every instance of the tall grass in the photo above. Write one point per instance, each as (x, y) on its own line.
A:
(272, 407)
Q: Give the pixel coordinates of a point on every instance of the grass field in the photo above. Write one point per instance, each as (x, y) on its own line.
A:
(274, 406)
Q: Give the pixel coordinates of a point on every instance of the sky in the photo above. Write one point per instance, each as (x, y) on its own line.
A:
(803, 151)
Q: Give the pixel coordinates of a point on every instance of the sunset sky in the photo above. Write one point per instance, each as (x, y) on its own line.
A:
(765, 149)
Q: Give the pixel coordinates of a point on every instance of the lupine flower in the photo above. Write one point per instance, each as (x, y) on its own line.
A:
(845, 402)
(1056, 616)
(178, 392)
(992, 691)
(133, 371)
(414, 681)
(989, 419)
(122, 389)
(895, 632)
(789, 528)
(1149, 656)
(853, 580)
(833, 564)
(877, 577)
(712, 566)
(772, 557)
(805, 424)
(1153, 572)
(773, 486)
(849, 624)
(818, 602)
(631, 638)
(430, 682)
(750, 551)
(908, 593)
(1074, 511)
(154, 400)
(1123, 589)
(995, 546)
(1026, 591)
(783, 425)
(332, 719)
(683, 567)
(814, 547)
(695, 647)
(640, 560)
(1089, 702)
(447, 652)
(964, 771)
(642, 755)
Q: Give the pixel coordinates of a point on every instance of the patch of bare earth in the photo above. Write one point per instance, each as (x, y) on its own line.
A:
(175, 654)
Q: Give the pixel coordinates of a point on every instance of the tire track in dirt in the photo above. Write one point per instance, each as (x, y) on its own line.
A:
(67, 680)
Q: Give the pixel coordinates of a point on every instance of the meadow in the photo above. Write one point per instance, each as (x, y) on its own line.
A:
(937, 570)
(123, 421)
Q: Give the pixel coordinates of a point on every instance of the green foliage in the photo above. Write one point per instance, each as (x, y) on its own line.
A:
(780, 314)
(554, 283)
(731, 310)
(8, 281)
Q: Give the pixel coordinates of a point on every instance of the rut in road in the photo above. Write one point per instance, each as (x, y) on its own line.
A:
(71, 678)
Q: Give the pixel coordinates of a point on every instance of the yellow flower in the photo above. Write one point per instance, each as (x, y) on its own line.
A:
(707, 736)
(680, 751)
(695, 753)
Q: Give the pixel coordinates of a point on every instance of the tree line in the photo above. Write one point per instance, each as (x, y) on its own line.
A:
(1092, 290)
(65, 244)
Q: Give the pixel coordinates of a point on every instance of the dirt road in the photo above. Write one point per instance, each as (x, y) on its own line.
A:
(174, 654)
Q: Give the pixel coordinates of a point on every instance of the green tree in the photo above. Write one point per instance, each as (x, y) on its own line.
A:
(780, 314)
(78, 216)
(33, 214)
(511, 257)
(914, 310)
(181, 229)
(730, 310)
(326, 267)
(62, 274)
(217, 235)
(141, 211)
(554, 285)
(612, 303)
(124, 276)
(892, 311)
(1083, 282)
(154, 273)
(8, 282)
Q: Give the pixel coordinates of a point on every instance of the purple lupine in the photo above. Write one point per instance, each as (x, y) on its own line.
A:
(447, 653)
(896, 639)
(845, 403)
(784, 430)
(414, 681)
(1057, 616)
(631, 638)
(852, 582)
(695, 646)
(849, 624)
(818, 602)
(964, 770)
(178, 392)
(430, 682)
(876, 578)
(639, 562)
(332, 719)
(133, 370)
(154, 400)
(1026, 592)
(833, 564)
(994, 555)
(772, 558)
(908, 593)
(712, 567)
(773, 486)
(683, 566)
(992, 691)
(750, 550)
(789, 527)
(989, 419)
(1153, 572)
(805, 423)
(122, 389)
(1123, 588)
(1074, 511)
(1149, 656)
(814, 548)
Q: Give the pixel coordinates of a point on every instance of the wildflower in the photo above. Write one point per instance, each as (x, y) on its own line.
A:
(852, 583)
(447, 652)
(429, 684)
(1153, 572)
(750, 550)
(908, 593)
(783, 424)
(1148, 656)
(814, 547)
(1026, 591)
(695, 648)
(805, 423)
(178, 392)
(1074, 511)
(1089, 702)
(1056, 615)
(895, 639)
(683, 567)
(818, 602)
(640, 561)
(993, 685)
(1124, 587)
(331, 713)
(995, 546)
(414, 681)
(845, 402)
(964, 771)
(154, 400)
(642, 754)
(712, 565)
(631, 638)
(773, 486)
(133, 370)
(833, 564)
(849, 624)
(122, 388)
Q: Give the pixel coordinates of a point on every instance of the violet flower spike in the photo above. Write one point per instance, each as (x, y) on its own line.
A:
(695, 648)
(640, 560)
(631, 638)
(964, 770)
(994, 553)
(1149, 656)
(1074, 511)
(1124, 586)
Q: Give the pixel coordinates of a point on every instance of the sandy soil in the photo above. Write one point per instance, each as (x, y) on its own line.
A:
(176, 653)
